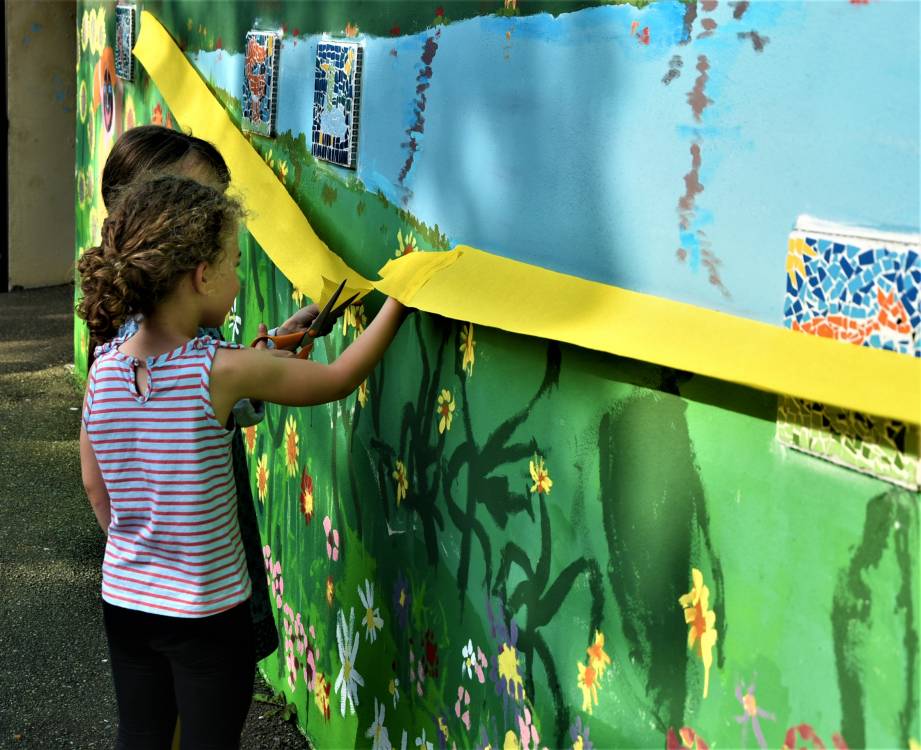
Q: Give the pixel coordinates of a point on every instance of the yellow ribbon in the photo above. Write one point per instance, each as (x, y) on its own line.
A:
(472, 285)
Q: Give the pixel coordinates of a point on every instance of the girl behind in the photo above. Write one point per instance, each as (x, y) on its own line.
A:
(156, 460)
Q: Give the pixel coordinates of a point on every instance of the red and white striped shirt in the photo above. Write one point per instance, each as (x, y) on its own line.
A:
(174, 543)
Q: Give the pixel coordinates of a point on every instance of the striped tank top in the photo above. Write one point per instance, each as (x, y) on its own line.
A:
(174, 543)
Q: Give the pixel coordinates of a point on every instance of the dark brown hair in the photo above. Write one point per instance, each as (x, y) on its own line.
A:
(150, 149)
(157, 231)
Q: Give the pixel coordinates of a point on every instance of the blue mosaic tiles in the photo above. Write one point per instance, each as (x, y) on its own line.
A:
(260, 82)
(336, 103)
(855, 288)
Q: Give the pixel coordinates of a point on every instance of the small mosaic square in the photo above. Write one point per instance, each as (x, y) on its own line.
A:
(125, 24)
(260, 82)
(861, 287)
(336, 103)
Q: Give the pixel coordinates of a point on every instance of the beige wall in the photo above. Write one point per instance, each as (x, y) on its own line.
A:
(40, 59)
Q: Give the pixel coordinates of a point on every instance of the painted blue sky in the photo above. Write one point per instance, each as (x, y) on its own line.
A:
(560, 145)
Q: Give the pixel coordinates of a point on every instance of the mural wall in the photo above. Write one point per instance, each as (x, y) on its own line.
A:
(501, 541)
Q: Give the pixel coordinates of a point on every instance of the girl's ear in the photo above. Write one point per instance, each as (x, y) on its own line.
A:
(201, 278)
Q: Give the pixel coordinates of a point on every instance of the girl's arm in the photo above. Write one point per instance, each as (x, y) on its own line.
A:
(248, 373)
(92, 480)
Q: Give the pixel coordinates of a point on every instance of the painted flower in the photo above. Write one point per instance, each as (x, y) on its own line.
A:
(249, 438)
(540, 476)
(291, 447)
(83, 102)
(405, 246)
(283, 170)
(354, 317)
(588, 684)
(278, 584)
(416, 671)
(332, 539)
(402, 599)
(598, 658)
(372, 618)
(99, 31)
(468, 346)
(297, 295)
(527, 731)
(399, 475)
(751, 713)
(349, 680)
(269, 160)
(469, 659)
(262, 476)
(377, 732)
(86, 31)
(351, 29)
(507, 663)
(701, 619)
(291, 663)
(394, 689)
(321, 695)
(233, 320)
(461, 709)
(363, 393)
(579, 735)
(422, 743)
(511, 741)
(156, 117)
(307, 496)
(445, 410)
(330, 591)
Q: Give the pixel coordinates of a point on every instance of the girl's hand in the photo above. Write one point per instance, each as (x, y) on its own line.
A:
(247, 373)
(302, 320)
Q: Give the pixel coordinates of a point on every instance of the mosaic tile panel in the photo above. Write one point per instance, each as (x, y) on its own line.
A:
(336, 103)
(862, 287)
(125, 25)
(260, 82)
(881, 447)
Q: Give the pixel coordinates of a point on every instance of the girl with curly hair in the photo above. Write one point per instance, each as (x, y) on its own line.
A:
(155, 456)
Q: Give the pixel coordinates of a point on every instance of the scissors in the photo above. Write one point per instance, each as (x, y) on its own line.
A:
(302, 341)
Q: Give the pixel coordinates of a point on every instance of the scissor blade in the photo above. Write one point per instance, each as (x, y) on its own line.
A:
(320, 320)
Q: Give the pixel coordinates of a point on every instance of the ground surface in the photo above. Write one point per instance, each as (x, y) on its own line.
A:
(55, 686)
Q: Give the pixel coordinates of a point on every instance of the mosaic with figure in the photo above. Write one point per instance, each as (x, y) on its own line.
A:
(124, 41)
(849, 285)
(260, 82)
(336, 103)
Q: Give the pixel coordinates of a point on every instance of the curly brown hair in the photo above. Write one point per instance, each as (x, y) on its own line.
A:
(158, 230)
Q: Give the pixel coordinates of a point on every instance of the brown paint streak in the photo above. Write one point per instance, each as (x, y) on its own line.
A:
(692, 188)
(709, 5)
(758, 41)
(698, 100)
(709, 27)
(739, 8)
(690, 13)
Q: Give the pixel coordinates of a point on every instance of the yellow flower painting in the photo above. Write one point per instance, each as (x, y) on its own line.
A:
(701, 619)
(291, 446)
(402, 483)
(445, 410)
(598, 658)
(541, 477)
(262, 476)
(467, 347)
(588, 684)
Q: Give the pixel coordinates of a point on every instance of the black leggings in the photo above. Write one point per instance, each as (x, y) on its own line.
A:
(199, 668)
